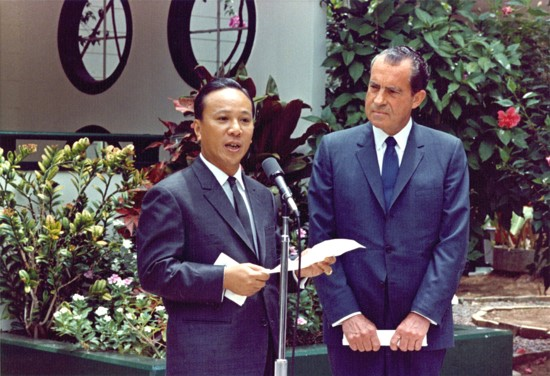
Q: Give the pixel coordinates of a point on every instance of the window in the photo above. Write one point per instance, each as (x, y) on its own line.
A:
(94, 39)
(205, 33)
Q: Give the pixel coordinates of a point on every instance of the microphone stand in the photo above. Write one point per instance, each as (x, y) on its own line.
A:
(281, 362)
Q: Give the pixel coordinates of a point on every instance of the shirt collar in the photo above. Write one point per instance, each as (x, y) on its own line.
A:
(221, 176)
(400, 138)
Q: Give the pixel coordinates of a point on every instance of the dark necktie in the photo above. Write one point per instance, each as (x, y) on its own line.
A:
(390, 168)
(240, 208)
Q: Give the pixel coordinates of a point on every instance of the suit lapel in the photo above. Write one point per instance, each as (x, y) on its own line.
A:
(414, 152)
(216, 196)
(368, 161)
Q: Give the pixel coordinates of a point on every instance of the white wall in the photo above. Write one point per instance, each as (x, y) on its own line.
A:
(35, 94)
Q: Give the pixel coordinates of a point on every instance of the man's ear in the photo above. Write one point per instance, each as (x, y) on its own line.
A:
(418, 98)
(197, 128)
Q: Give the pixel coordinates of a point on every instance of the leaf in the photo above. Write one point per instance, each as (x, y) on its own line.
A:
(505, 102)
(356, 70)
(456, 109)
(485, 150)
(423, 16)
(504, 136)
(503, 60)
(366, 29)
(511, 85)
(342, 100)
(504, 155)
(348, 56)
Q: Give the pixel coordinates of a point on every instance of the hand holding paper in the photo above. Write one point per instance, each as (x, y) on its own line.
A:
(328, 248)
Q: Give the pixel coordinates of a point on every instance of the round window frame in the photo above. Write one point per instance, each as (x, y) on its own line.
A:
(180, 45)
(69, 51)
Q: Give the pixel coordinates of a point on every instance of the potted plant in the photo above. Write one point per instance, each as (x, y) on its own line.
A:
(512, 248)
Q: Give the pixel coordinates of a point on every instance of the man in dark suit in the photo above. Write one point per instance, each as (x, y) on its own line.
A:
(192, 217)
(406, 200)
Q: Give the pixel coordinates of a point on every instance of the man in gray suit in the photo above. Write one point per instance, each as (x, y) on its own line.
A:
(192, 217)
(401, 190)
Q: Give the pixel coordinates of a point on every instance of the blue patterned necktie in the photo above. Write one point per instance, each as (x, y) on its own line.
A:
(390, 168)
(240, 208)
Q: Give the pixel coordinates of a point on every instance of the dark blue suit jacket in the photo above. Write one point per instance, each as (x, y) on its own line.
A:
(416, 250)
(186, 222)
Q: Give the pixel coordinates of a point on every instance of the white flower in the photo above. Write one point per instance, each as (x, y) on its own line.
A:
(120, 310)
(130, 316)
(160, 308)
(107, 318)
(101, 311)
(127, 243)
(147, 329)
(77, 297)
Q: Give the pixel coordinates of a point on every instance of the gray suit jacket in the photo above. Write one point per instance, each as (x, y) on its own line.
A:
(415, 252)
(186, 222)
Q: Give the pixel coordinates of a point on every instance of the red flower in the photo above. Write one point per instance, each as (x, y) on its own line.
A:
(506, 10)
(508, 119)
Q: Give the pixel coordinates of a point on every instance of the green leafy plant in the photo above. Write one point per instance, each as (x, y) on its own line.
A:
(53, 246)
(116, 315)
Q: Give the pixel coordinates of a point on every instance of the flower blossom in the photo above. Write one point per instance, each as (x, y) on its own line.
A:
(77, 297)
(301, 321)
(508, 119)
(113, 279)
(89, 274)
(101, 311)
(127, 243)
(548, 160)
(507, 10)
(235, 22)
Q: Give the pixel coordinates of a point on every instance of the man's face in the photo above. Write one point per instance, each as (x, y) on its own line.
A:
(389, 100)
(226, 128)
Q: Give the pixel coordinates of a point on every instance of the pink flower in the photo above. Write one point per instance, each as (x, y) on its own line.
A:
(506, 10)
(508, 119)
(113, 279)
(302, 233)
(89, 274)
(548, 160)
(301, 321)
(235, 22)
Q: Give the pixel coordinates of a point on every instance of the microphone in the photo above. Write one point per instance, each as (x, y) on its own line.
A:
(275, 173)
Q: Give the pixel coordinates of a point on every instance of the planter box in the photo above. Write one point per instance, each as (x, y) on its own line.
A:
(26, 356)
(512, 260)
(478, 352)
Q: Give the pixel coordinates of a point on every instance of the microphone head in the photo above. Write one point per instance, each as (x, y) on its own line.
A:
(271, 167)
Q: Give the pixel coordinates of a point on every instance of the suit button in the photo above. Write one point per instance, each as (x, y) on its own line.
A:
(388, 249)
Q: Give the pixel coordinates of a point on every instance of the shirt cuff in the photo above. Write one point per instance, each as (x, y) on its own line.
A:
(303, 281)
(339, 322)
(427, 318)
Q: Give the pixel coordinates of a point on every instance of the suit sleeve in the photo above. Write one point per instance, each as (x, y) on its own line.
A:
(161, 240)
(336, 296)
(449, 256)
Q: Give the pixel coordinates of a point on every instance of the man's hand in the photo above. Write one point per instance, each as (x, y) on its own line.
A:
(410, 333)
(361, 334)
(244, 279)
(317, 268)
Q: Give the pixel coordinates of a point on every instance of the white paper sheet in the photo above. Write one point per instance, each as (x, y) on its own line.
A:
(224, 259)
(332, 247)
(384, 336)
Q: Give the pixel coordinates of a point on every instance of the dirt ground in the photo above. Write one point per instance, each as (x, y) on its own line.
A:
(509, 284)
